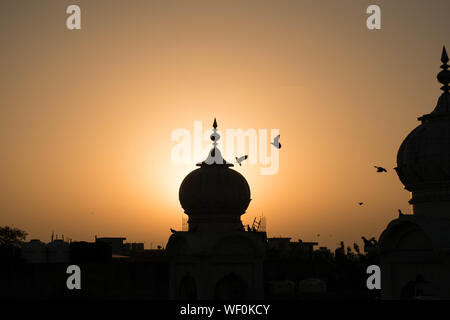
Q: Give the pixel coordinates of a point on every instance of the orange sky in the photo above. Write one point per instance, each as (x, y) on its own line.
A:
(86, 116)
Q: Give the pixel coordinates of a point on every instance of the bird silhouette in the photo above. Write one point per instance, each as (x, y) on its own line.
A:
(173, 231)
(276, 142)
(400, 213)
(380, 169)
(241, 159)
(360, 203)
(372, 242)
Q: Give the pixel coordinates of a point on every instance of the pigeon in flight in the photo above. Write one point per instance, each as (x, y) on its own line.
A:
(241, 159)
(276, 142)
(360, 203)
(380, 169)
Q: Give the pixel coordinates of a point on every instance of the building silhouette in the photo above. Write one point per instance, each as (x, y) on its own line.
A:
(217, 258)
(415, 249)
(116, 243)
(36, 251)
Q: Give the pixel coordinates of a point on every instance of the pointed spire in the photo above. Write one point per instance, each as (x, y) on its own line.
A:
(444, 57)
(215, 124)
(444, 76)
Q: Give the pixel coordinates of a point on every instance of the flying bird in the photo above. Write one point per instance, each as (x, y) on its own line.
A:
(241, 159)
(276, 142)
(380, 169)
(360, 203)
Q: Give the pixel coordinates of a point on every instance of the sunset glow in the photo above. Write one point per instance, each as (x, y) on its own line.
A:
(86, 117)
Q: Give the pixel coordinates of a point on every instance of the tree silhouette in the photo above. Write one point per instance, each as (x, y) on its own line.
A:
(12, 237)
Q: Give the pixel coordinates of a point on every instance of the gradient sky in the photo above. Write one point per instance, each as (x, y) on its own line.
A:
(86, 116)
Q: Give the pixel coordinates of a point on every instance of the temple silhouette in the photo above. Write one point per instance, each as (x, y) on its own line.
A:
(414, 249)
(218, 258)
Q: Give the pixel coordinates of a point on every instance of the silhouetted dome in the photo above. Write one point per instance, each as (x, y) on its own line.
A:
(424, 156)
(214, 189)
(423, 160)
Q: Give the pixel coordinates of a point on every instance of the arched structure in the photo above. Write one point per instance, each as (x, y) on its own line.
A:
(230, 287)
(187, 289)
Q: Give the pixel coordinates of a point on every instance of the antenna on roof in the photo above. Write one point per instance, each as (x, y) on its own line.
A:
(262, 223)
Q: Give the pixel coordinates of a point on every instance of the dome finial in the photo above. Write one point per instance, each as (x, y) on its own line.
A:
(215, 136)
(215, 156)
(444, 76)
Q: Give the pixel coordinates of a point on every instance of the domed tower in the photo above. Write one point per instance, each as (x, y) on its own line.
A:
(214, 196)
(415, 249)
(216, 258)
(423, 160)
